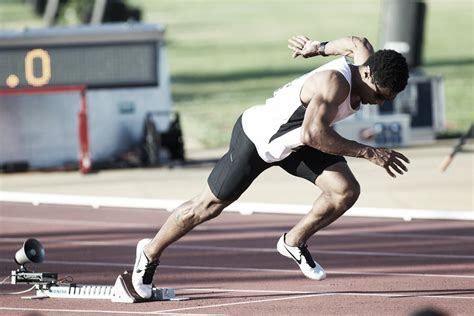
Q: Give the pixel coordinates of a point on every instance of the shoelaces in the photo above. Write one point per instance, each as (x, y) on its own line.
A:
(150, 269)
(305, 252)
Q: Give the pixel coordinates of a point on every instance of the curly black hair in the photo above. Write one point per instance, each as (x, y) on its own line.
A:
(389, 69)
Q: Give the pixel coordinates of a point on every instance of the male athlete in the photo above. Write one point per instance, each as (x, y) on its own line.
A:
(293, 131)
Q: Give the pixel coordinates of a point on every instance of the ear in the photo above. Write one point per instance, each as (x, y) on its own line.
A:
(367, 72)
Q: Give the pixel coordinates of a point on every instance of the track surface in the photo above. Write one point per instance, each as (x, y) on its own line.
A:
(230, 265)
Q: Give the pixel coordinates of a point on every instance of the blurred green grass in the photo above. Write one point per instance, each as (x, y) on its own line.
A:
(228, 55)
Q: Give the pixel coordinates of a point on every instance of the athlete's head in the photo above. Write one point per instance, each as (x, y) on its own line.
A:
(389, 69)
(388, 74)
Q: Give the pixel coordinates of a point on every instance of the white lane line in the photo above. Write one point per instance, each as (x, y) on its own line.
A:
(368, 293)
(241, 303)
(208, 268)
(260, 250)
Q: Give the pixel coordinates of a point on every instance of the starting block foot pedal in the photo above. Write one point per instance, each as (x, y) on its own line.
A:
(123, 291)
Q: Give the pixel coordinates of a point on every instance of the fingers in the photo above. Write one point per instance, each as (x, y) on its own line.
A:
(296, 51)
(400, 155)
(302, 39)
(297, 43)
(390, 172)
(395, 162)
(400, 164)
(395, 167)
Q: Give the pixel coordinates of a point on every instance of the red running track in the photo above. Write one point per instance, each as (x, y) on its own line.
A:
(230, 265)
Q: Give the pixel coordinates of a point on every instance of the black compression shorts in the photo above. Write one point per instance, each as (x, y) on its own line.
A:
(237, 169)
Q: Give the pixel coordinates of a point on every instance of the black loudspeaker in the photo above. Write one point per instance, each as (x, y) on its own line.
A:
(31, 251)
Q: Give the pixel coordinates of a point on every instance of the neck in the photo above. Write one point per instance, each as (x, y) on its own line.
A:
(357, 73)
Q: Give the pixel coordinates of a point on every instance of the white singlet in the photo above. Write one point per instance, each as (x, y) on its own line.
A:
(275, 127)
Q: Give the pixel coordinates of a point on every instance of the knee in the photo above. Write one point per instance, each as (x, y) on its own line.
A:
(352, 194)
(345, 198)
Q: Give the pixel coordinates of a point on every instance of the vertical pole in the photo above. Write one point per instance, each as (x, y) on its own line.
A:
(50, 11)
(85, 163)
(98, 11)
(402, 28)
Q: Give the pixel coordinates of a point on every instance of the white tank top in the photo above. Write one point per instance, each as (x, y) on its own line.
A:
(275, 127)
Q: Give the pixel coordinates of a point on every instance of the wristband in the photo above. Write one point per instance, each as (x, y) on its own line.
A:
(322, 49)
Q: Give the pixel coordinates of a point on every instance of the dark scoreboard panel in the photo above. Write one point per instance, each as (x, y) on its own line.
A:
(96, 66)
(97, 57)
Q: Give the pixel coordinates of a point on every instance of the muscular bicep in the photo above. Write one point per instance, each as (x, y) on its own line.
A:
(319, 113)
(323, 107)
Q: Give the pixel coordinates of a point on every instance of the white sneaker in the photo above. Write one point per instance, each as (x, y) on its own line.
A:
(143, 271)
(301, 255)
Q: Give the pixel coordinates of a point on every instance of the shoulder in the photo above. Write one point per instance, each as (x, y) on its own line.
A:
(328, 85)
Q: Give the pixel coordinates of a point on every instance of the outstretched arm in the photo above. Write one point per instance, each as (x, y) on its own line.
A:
(317, 131)
(358, 48)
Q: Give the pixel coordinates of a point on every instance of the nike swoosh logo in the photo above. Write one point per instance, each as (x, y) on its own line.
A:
(299, 261)
(138, 270)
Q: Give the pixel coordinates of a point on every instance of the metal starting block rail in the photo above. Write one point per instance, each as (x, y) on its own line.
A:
(121, 292)
(77, 291)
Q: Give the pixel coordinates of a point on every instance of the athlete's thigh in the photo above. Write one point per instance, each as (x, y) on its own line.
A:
(309, 163)
(237, 169)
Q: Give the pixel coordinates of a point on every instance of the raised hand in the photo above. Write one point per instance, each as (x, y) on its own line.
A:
(303, 46)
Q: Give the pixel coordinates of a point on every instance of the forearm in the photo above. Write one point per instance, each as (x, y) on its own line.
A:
(359, 49)
(356, 47)
(339, 47)
(329, 141)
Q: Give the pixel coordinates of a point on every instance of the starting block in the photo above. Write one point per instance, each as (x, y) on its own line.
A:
(121, 292)
(124, 292)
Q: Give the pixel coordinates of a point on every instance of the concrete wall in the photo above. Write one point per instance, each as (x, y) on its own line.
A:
(40, 129)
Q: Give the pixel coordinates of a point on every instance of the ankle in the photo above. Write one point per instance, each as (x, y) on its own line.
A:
(291, 241)
(152, 256)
